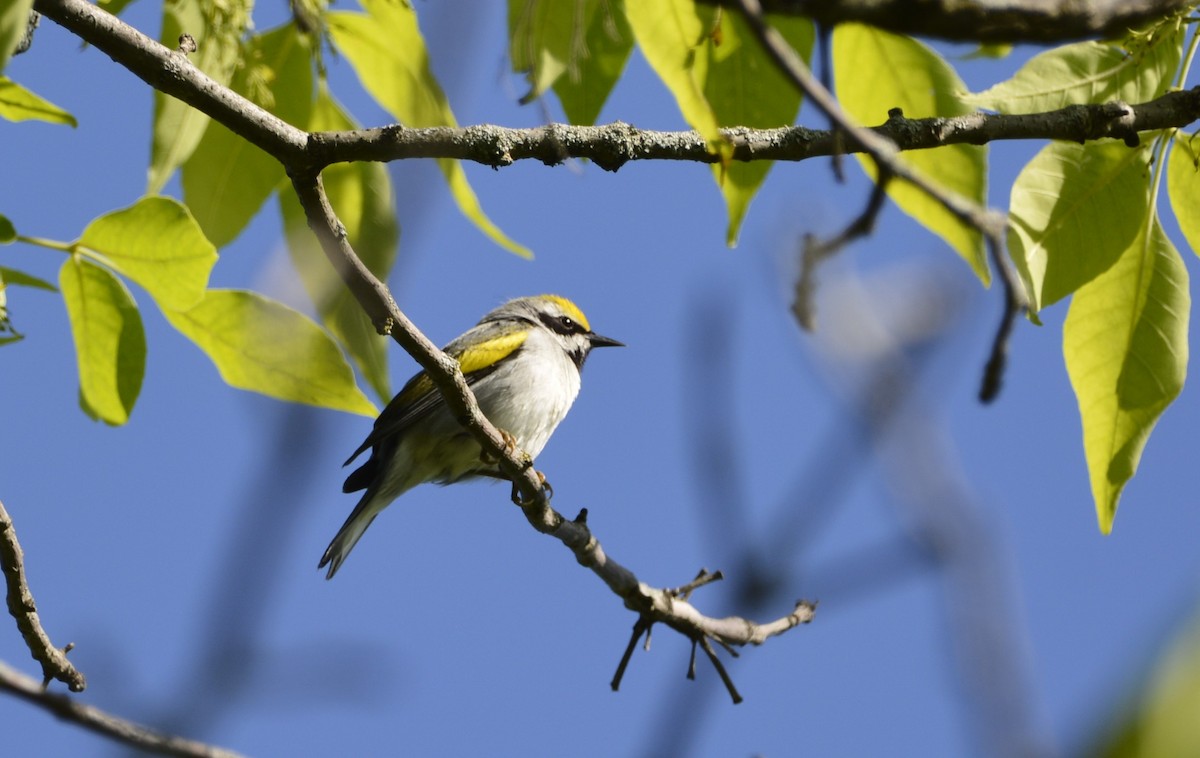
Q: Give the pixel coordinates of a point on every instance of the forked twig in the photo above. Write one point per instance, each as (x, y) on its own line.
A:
(990, 223)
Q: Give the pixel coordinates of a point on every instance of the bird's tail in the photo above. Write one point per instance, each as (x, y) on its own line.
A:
(349, 535)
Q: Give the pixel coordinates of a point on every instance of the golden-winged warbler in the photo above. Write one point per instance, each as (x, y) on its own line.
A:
(522, 361)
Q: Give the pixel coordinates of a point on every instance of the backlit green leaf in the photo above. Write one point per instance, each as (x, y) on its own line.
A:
(227, 179)
(1183, 186)
(19, 104)
(156, 243)
(590, 77)
(1085, 72)
(7, 232)
(21, 279)
(670, 34)
(875, 71)
(1161, 719)
(388, 54)
(990, 50)
(546, 38)
(746, 88)
(361, 193)
(110, 345)
(1074, 210)
(720, 76)
(178, 127)
(14, 18)
(1125, 343)
(115, 7)
(261, 345)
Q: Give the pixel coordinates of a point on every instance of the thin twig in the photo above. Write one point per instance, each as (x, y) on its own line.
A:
(817, 251)
(103, 723)
(1015, 304)
(22, 607)
(990, 223)
(883, 150)
(640, 627)
(1037, 21)
(703, 577)
(720, 667)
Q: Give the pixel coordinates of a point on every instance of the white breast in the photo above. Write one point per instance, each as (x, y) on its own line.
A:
(533, 395)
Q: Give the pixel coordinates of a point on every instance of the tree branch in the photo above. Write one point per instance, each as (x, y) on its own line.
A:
(611, 146)
(56, 666)
(22, 607)
(652, 605)
(1038, 21)
(879, 146)
(144, 56)
(103, 723)
(169, 71)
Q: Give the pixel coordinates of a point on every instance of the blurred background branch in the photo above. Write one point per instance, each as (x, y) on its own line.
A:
(882, 334)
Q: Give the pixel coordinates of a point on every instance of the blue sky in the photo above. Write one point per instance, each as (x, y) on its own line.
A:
(179, 552)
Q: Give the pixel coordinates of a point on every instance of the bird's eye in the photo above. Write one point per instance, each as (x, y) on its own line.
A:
(567, 323)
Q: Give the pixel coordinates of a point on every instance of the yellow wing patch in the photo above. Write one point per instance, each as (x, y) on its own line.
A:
(472, 359)
(417, 386)
(490, 351)
(570, 309)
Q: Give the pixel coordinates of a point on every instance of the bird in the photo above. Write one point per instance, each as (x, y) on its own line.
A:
(522, 361)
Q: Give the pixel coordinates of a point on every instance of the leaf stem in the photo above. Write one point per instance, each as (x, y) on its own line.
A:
(1167, 136)
(66, 247)
(1181, 75)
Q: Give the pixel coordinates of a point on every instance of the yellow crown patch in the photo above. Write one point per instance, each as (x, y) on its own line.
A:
(570, 309)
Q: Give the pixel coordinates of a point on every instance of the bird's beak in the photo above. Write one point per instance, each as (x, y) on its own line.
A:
(598, 341)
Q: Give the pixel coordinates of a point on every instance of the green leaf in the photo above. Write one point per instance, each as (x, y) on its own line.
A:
(720, 76)
(110, 345)
(14, 18)
(178, 127)
(19, 104)
(1183, 186)
(227, 179)
(1085, 72)
(996, 50)
(261, 345)
(545, 39)
(8, 233)
(746, 88)
(1125, 343)
(156, 243)
(670, 34)
(115, 7)
(1074, 210)
(1162, 719)
(591, 76)
(875, 71)
(388, 54)
(21, 279)
(361, 193)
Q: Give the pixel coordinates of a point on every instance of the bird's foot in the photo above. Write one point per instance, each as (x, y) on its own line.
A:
(510, 446)
(545, 485)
